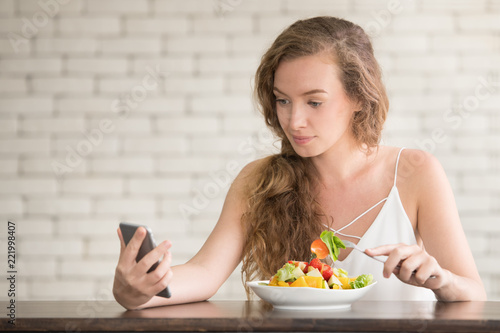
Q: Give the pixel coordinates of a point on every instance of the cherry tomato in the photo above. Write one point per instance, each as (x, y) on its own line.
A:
(318, 247)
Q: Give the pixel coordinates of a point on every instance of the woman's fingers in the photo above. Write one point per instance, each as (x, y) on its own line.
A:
(411, 264)
(132, 249)
(153, 256)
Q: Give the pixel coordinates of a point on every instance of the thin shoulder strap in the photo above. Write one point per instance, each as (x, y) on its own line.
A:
(397, 163)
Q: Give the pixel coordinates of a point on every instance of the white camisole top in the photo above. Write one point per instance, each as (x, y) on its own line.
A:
(391, 226)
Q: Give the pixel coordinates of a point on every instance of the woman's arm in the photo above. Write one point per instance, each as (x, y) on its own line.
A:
(445, 263)
(196, 280)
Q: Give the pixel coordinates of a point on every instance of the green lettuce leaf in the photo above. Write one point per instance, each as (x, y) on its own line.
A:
(285, 273)
(333, 243)
(362, 281)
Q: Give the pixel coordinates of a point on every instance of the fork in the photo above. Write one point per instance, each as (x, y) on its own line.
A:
(356, 247)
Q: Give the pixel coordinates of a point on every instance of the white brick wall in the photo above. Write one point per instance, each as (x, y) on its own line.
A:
(180, 72)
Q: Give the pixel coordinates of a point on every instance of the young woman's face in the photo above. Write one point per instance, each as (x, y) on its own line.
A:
(312, 107)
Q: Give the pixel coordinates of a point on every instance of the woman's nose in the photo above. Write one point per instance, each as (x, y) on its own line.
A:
(298, 118)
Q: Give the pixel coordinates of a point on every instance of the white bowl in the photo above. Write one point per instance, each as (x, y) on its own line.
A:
(306, 298)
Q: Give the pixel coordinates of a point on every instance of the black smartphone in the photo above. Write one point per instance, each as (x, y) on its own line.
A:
(128, 231)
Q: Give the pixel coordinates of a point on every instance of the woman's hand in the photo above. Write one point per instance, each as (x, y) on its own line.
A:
(133, 285)
(413, 265)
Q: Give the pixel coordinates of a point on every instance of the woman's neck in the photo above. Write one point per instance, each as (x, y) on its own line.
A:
(341, 164)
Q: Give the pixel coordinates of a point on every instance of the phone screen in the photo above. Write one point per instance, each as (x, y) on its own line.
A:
(128, 231)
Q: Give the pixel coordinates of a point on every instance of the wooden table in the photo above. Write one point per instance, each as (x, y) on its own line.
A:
(254, 316)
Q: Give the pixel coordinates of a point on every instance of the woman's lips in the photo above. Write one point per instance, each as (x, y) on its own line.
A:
(302, 140)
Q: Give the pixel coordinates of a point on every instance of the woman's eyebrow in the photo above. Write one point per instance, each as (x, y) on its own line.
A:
(310, 92)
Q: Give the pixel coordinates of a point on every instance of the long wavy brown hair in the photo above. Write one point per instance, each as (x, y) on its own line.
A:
(282, 216)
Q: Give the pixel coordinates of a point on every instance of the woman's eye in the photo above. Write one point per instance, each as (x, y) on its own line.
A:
(315, 104)
(282, 101)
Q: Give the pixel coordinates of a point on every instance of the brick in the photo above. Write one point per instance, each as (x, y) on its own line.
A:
(62, 85)
(51, 247)
(155, 145)
(484, 223)
(229, 25)
(464, 83)
(239, 85)
(247, 7)
(407, 43)
(15, 44)
(131, 85)
(29, 26)
(39, 226)
(65, 105)
(189, 164)
(488, 264)
(82, 147)
(122, 165)
(97, 268)
(20, 146)
(11, 206)
(219, 144)
(104, 248)
(465, 162)
(244, 124)
(51, 8)
(469, 43)
(272, 25)
(148, 25)
(484, 182)
(479, 62)
(38, 165)
(118, 6)
(405, 83)
(246, 65)
(125, 206)
(50, 289)
(59, 205)
(423, 23)
(7, 7)
(158, 185)
(12, 86)
(14, 105)
(87, 226)
(473, 203)
(31, 65)
(223, 103)
(169, 64)
(186, 245)
(78, 46)
(163, 105)
(51, 125)
(174, 7)
(9, 126)
(453, 6)
(36, 267)
(9, 166)
(97, 65)
(194, 85)
(131, 46)
(479, 22)
(249, 45)
(321, 7)
(470, 142)
(396, 123)
(130, 125)
(429, 102)
(92, 186)
(84, 26)
(196, 44)
(188, 125)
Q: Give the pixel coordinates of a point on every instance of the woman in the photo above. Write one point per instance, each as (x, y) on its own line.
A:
(320, 90)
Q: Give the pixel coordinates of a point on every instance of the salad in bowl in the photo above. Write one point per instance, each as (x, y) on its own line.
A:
(313, 285)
